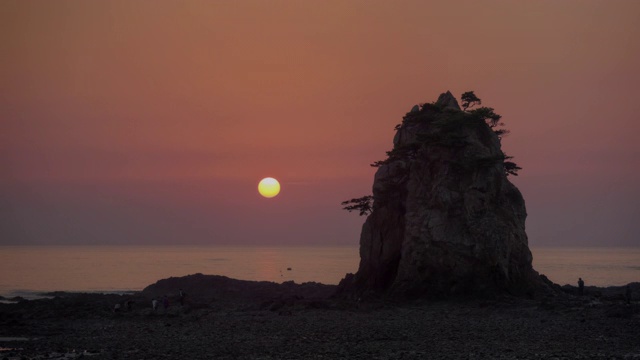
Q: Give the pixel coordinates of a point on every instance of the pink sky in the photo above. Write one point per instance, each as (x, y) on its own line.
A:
(151, 122)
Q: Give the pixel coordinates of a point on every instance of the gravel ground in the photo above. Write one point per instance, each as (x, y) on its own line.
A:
(571, 328)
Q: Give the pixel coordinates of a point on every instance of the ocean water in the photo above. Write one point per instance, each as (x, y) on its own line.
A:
(29, 270)
(596, 266)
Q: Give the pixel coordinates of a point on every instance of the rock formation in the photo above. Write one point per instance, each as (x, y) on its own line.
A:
(204, 288)
(446, 220)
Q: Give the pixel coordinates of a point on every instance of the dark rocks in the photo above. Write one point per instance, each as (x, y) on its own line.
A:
(201, 288)
(448, 101)
(285, 322)
(446, 221)
(501, 328)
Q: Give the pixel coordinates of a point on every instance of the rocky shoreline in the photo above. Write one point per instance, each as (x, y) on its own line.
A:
(224, 318)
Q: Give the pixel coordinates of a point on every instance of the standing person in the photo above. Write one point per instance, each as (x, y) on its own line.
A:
(154, 304)
(627, 294)
(165, 302)
(181, 294)
(580, 287)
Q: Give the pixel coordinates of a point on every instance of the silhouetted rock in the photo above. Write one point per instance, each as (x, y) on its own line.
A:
(446, 220)
(448, 101)
(206, 288)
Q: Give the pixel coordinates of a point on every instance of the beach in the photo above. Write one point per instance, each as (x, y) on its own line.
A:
(257, 320)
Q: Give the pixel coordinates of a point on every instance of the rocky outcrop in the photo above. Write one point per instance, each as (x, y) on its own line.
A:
(445, 220)
(204, 288)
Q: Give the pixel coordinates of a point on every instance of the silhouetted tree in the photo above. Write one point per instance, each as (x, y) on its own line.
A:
(405, 152)
(363, 205)
(492, 119)
(488, 115)
(501, 133)
(469, 99)
(510, 168)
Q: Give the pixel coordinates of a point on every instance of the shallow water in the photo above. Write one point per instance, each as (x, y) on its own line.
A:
(596, 266)
(28, 270)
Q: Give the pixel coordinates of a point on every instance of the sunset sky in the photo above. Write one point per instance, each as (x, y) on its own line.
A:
(152, 122)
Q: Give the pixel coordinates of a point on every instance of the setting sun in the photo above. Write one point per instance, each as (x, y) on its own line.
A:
(269, 187)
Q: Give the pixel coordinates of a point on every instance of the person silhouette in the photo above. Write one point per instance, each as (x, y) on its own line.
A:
(181, 294)
(580, 286)
(627, 294)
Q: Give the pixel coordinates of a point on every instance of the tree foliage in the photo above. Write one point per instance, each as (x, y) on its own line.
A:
(501, 133)
(406, 152)
(364, 205)
(510, 168)
(487, 115)
(469, 99)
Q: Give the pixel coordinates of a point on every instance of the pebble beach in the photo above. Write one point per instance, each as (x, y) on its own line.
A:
(269, 326)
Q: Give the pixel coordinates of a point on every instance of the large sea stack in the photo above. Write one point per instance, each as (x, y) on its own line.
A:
(445, 219)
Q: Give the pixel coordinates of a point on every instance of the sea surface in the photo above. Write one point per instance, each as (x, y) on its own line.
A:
(30, 270)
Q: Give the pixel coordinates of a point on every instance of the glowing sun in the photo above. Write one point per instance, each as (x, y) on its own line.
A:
(269, 187)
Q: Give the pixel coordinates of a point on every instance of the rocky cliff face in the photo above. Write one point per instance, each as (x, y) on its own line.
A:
(445, 220)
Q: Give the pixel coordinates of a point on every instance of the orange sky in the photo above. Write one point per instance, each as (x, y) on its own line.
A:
(152, 122)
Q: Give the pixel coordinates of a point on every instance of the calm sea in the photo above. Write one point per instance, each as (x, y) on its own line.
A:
(28, 270)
